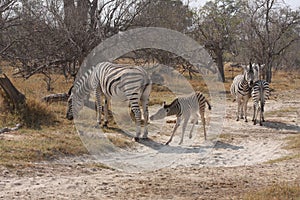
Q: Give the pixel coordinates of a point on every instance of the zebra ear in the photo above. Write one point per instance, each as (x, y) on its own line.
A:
(164, 103)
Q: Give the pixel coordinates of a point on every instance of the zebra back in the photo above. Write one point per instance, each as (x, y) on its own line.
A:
(122, 81)
(192, 102)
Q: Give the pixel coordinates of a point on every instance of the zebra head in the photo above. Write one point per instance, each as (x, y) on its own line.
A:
(249, 74)
(161, 113)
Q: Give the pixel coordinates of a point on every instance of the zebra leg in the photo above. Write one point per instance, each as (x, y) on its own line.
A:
(261, 119)
(242, 110)
(195, 120)
(245, 110)
(263, 111)
(105, 112)
(137, 113)
(98, 106)
(145, 101)
(238, 110)
(186, 120)
(203, 123)
(253, 112)
(178, 120)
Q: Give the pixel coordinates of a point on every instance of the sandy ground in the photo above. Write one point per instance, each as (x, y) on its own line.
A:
(224, 168)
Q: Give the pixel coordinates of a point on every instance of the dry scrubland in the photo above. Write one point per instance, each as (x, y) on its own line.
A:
(30, 158)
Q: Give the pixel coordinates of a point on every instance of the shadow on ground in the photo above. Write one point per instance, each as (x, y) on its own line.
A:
(280, 125)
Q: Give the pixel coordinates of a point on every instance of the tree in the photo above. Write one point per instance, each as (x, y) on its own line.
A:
(216, 25)
(269, 29)
(58, 34)
(171, 14)
(7, 20)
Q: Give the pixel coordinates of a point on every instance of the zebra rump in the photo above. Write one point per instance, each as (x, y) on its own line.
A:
(260, 93)
(122, 82)
(184, 108)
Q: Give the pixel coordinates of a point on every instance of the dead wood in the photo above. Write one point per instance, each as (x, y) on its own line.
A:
(55, 97)
(14, 95)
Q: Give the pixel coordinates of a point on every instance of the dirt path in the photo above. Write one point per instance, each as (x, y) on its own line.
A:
(236, 164)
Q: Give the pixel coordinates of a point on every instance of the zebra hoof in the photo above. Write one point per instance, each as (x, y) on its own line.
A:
(237, 119)
(136, 139)
(260, 124)
(97, 126)
(105, 126)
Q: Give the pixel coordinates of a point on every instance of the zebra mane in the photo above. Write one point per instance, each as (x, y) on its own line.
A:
(83, 86)
(174, 107)
(70, 90)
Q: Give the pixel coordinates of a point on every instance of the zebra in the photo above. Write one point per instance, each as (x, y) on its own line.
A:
(260, 93)
(131, 83)
(184, 107)
(241, 90)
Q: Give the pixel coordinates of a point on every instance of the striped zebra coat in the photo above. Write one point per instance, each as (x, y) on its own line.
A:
(184, 107)
(260, 93)
(241, 90)
(126, 83)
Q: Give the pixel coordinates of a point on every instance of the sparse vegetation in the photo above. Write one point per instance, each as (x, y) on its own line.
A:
(276, 192)
(42, 46)
(25, 147)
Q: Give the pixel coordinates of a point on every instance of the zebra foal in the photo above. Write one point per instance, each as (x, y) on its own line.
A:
(260, 93)
(184, 107)
(241, 90)
(126, 83)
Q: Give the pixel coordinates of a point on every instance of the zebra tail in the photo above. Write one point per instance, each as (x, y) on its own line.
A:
(262, 98)
(209, 106)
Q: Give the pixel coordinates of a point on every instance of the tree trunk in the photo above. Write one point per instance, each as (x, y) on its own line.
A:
(219, 60)
(69, 7)
(269, 73)
(16, 97)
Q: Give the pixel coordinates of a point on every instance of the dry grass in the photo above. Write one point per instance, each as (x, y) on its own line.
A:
(282, 112)
(24, 147)
(121, 142)
(46, 133)
(276, 192)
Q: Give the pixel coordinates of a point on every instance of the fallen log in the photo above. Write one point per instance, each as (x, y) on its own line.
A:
(7, 129)
(55, 97)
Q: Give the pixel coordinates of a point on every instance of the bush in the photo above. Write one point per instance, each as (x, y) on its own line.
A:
(33, 114)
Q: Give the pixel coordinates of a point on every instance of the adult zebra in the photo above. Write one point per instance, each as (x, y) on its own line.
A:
(260, 93)
(130, 83)
(241, 90)
(184, 107)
